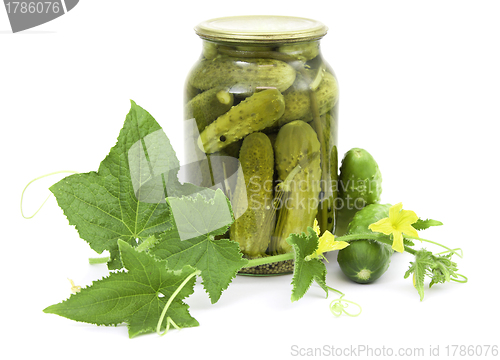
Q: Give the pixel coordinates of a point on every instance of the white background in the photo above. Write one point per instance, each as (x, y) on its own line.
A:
(420, 91)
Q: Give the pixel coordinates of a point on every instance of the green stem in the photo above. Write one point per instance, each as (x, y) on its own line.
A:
(456, 249)
(406, 248)
(212, 181)
(435, 243)
(382, 238)
(353, 237)
(98, 260)
(375, 236)
(167, 305)
(337, 291)
(270, 259)
(347, 238)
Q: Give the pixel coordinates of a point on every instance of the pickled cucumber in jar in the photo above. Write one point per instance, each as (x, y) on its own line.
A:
(274, 100)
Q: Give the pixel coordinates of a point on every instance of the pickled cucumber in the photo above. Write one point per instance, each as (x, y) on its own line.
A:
(325, 127)
(208, 106)
(298, 100)
(242, 77)
(190, 92)
(301, 51)
(232, 150)
(253, 48)
(326, 211)
(210, 50)
(255, 113)
(284, 101)
(253, 196)
(297, 157)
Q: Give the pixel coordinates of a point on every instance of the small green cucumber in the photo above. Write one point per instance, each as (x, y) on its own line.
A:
(208, 106)
(255, 113)
(360, 184)
(297, 157)
(253, 196)
(242, 77)
(364, 261)
(367, 216)
(298, 100)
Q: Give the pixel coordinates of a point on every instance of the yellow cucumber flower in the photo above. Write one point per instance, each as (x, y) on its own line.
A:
(326, 242)
(398, 223)
(316, 227)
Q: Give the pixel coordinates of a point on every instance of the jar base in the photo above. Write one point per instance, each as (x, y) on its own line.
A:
(273, 269)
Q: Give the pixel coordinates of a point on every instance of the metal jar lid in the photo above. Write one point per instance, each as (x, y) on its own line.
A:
(261, 29)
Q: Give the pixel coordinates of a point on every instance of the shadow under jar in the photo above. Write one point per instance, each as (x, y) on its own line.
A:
(261, 110)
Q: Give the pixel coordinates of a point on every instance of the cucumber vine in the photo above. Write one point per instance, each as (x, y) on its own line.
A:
(142, 224)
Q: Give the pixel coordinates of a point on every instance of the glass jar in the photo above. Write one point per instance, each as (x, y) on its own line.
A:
(261, 109)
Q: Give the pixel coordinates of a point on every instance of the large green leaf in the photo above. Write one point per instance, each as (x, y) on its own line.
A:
(125, 198)
(136, 297)
(197, 222)
(306, 269)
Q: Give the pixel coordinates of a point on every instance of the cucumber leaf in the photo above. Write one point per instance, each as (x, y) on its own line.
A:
(425, 224)
(125, 198)
(419, 268)
(136, 297)
(439, 268)
(305, 271)
(192, 242)
(443, 270)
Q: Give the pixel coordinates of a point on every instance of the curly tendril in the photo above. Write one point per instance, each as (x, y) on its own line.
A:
(38, 178)
(454, 251)
(338, 306)
(463, 280)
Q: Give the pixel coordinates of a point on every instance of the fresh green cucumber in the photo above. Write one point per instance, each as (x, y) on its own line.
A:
(367, 216)
(360, 184)
(364, 261)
